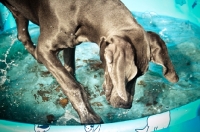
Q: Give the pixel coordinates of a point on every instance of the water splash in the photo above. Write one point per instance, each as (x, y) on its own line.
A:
(8, 65)
(149, 16)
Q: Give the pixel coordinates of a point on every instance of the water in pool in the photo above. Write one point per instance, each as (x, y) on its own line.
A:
(29, 93)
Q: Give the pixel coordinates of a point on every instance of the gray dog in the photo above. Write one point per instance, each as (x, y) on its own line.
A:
(125, 48)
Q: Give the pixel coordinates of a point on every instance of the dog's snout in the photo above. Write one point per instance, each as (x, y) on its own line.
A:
(117, 101)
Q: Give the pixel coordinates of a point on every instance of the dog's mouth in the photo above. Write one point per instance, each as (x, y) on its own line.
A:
(119, 95)
(120, 70)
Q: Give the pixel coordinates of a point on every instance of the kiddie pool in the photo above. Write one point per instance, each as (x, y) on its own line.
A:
(185, 118)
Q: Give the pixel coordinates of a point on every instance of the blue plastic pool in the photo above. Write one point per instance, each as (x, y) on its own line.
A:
(158, 105)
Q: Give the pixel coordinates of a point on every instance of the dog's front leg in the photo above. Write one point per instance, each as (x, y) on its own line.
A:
(47, 54)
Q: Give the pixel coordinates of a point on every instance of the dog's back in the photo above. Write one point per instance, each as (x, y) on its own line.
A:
(96, 14)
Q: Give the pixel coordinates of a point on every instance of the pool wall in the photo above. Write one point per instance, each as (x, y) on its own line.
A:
(182, 119)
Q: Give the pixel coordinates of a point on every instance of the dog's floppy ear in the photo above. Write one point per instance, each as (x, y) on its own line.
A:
(159, 55)
(119, 58)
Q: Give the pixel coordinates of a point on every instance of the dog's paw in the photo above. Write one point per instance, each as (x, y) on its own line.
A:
(91, 119)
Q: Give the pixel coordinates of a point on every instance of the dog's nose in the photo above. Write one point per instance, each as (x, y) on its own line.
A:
(118, 102)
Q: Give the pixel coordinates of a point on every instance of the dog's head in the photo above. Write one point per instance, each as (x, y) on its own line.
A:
(118, 57)
(118, 60)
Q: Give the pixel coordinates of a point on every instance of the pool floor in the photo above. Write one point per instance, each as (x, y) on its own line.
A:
(29, 93)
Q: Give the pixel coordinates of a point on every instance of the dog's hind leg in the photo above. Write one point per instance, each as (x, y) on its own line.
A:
(23, 34)
(22, 29)
(69, 60)
(160, 56)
